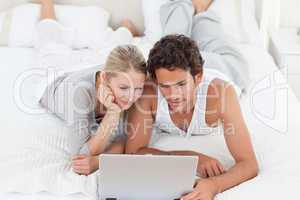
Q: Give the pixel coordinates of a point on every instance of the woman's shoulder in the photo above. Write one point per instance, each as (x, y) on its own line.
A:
(71, 92)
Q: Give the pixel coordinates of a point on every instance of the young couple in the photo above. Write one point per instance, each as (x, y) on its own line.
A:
(114, 108)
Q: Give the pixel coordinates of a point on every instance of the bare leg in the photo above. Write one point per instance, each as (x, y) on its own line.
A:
(201, 5)
(47, 9)
(131, 27)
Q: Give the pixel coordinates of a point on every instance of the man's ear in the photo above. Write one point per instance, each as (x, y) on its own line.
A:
(198, 77)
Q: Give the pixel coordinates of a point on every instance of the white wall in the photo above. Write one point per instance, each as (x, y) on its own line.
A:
(4, 4)
(290, 13)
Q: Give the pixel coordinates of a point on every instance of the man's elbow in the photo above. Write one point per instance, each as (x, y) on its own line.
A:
(251, 168)
(254, 168)
(131, 150)
(137, 151)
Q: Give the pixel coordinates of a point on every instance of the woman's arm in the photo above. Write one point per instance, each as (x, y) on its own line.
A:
(97, 144)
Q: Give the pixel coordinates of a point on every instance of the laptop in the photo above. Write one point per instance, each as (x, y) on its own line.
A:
(146, 177)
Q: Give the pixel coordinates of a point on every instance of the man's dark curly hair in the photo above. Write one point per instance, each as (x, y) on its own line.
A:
(175, 51)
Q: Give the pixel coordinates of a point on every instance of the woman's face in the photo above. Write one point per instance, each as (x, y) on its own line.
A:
(127, 87)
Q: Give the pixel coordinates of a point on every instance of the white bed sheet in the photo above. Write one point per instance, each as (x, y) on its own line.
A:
(35, 155)
(40, 196)
(273, 126)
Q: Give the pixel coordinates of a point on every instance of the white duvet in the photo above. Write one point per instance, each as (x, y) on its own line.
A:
(35, 150)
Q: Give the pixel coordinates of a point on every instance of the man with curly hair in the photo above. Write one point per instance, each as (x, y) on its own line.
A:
(187, 100)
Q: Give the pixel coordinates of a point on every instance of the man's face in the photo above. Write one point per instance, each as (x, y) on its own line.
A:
(178, 87)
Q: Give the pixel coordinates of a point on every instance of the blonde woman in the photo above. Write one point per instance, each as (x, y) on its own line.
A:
(92, 101)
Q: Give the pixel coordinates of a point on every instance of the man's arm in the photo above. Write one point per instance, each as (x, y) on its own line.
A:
(139, 130)
(239, 144)
(238, 141)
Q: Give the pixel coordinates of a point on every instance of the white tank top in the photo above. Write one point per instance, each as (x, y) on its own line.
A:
(198, 126)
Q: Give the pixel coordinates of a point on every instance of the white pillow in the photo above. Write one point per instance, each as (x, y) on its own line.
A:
(89, 24)
(151, 11)
(22, 25)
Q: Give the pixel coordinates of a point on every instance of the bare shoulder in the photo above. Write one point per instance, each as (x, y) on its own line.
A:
(220, 87)
(220, 95)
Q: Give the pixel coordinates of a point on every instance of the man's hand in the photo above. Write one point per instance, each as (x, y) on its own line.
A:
(85, 165)
(209, 167)
(205, 190)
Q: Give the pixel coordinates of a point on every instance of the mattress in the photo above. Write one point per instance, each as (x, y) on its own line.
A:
(270, 109)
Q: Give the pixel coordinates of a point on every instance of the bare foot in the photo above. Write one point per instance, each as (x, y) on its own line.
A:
(201, 5)
(131, 27)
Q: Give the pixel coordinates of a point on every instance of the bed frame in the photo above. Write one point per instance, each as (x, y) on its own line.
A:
(267, 12)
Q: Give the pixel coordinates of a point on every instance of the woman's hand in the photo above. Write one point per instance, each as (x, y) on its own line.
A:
(209, 167)
(84, 164)
(205, 189)
(106, 97)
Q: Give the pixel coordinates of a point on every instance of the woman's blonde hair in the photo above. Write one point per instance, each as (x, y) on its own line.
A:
(125, 58)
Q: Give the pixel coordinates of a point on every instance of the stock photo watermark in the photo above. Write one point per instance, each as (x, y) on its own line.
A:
(273, 87)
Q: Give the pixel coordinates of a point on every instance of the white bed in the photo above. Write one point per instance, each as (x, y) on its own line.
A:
(34, 155)
(275, 138)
